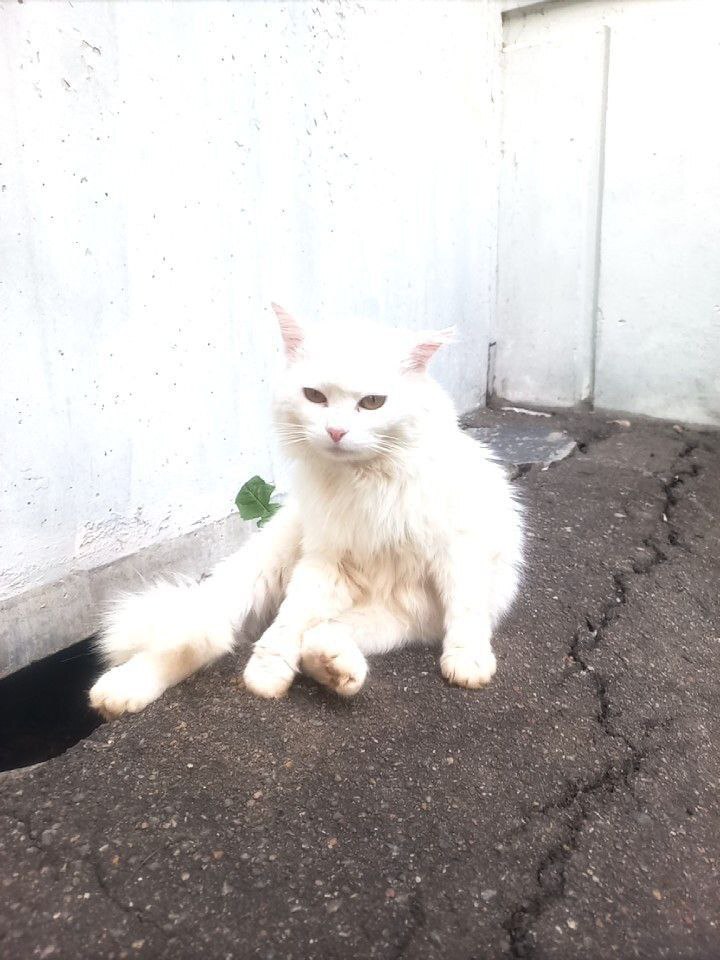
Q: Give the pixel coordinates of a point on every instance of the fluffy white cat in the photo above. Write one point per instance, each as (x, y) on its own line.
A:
(399, 528)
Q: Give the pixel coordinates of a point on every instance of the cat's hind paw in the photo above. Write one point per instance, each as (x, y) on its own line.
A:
(128, 688)
(333, 660)
(469, 668)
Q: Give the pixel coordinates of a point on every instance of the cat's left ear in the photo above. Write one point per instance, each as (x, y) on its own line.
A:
(292, 333)
(427, 346)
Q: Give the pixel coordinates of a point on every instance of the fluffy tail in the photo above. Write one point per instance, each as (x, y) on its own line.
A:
(156, 638)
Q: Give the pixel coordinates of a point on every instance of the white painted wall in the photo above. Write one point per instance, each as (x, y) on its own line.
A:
(659, 297)
(167, 170)
(609, 266)
(553, 95)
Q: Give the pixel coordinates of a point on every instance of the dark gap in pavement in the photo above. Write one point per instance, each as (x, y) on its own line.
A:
(44, 709)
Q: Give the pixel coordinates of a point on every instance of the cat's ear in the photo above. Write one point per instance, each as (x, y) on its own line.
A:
(292, 332)
(426, 346)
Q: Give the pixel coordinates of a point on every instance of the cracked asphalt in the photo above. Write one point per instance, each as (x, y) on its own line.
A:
(569, 810)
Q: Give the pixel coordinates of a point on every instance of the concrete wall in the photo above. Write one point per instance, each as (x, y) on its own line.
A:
(609, 249)
(168, 169)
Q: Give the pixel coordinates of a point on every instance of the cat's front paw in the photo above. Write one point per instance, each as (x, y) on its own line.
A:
(124, 689)
(333, 660)
(468, 667)
(268, 675)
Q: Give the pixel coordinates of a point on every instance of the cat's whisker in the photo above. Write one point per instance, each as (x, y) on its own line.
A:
(290, 441)
(389, 448)
(388, 453)
(389, 445)
(390, 442)
(290, 430)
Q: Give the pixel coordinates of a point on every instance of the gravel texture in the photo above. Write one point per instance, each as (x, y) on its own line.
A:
(568, 810)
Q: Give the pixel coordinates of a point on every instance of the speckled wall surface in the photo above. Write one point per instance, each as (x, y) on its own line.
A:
(168, 169)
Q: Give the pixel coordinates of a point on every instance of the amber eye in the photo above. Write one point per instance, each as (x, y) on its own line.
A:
(372, 401)
(314, 396)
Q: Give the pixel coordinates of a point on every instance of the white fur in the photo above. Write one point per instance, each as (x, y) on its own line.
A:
(404, 530)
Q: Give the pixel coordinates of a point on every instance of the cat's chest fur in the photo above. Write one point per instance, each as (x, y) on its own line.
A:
(375, 524)
(373, 531)
(363, 515)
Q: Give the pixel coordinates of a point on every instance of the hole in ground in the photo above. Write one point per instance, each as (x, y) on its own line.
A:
(44, 708)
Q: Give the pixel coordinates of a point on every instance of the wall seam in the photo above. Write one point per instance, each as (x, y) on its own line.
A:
(594, 318)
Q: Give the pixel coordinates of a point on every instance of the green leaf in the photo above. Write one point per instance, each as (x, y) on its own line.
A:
(254, 501)
(273, 508)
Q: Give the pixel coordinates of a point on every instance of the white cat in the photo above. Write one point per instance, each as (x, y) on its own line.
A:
(399, 528)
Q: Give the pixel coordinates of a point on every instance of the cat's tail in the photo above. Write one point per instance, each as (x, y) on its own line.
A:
(155, 638)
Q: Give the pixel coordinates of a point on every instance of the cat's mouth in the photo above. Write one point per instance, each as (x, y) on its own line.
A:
(338, 452)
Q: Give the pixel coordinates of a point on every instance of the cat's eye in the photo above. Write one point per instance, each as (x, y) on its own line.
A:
(373, 401)
(314, 396)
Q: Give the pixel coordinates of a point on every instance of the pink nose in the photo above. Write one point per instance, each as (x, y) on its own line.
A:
(336, 433)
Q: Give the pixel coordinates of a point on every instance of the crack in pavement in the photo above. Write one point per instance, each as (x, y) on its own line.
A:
(36, 842)
(417, 920)
(585, 641)
(126, 908)
(580, 798)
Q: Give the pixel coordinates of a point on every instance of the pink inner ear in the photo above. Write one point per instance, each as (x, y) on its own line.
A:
(291, 331)
(423, 352)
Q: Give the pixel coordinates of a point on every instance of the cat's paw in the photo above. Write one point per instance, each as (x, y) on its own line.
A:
(125, 689)
(333, 660)
(268, 675)
(468, 667)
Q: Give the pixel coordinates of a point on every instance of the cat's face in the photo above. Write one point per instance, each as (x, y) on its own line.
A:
(352, 395)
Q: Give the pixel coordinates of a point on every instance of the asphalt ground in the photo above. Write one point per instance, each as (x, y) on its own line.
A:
(568, 810)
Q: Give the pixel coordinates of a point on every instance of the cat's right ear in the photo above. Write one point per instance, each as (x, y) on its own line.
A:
(292, 332)
(426, 347)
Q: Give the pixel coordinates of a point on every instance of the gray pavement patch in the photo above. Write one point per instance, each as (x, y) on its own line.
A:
(523, 445)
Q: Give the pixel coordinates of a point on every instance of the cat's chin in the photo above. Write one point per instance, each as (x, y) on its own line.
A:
(337, 454)
(340, 455)
(328, 454)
